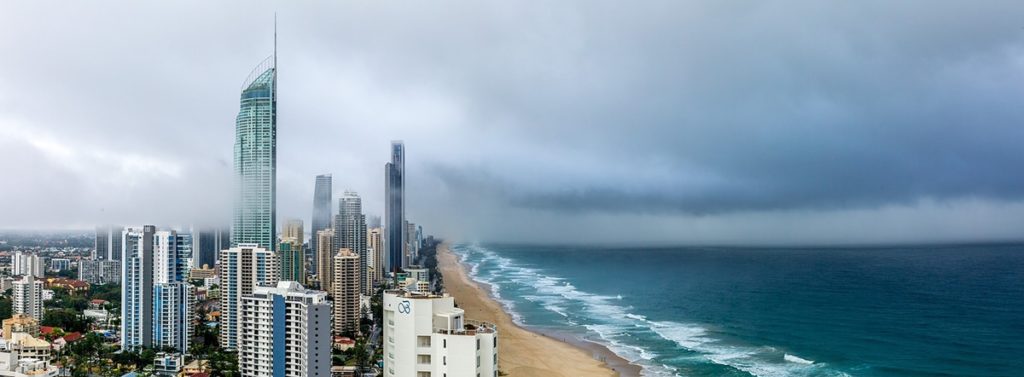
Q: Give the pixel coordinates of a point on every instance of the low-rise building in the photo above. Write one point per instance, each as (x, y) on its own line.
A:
(426, 335)
(22, 323)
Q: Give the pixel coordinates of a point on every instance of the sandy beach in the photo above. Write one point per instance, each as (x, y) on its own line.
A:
(521, 352)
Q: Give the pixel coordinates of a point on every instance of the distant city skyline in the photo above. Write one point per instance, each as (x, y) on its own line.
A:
(695, 123)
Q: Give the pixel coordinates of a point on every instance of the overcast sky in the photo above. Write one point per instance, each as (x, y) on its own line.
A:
(719, 122)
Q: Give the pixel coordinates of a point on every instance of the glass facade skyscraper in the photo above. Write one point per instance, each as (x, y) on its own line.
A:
(321, 213)
(394, 207)
(255, 215)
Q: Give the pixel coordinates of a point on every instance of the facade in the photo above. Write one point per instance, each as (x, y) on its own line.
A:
(375, 257)
(22, 323)
(28, 297)
(322, 198)
(208, 244)
(100, 271)
(350, 230)
(107, 245)
(426, 335)
(293, 230)
(412, 247)
(324, 255)
(346, 292)
(27, 264)
(255, 160)
(60, 264)
(286, 332)
(242, 269)
(292, 260)
(157, 298)
(394, 207)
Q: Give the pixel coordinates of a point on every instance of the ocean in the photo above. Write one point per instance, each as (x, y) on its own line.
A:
(895, 311)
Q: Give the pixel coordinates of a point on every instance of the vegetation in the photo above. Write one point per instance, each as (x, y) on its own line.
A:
(68, 319)
(91, 356)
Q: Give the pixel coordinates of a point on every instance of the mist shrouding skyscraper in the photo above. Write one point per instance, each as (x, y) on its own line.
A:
(108, 243)
(350, 229)
(208, 244)
(322, 198)
(394, 207)
(255, 215)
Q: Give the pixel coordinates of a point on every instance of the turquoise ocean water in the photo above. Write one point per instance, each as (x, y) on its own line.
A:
(900, 311)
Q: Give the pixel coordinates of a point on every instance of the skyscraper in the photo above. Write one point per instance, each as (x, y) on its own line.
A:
(27, 264)
(255, 215)
(322, 198)
(287, 332)
(242, 269)
(137, 278)
(290, 255)
(293, 230)
(208, 244)
(108, 243)
(346, 292)
(28, 297)
(394, 207)
(324, 254)
(375, 251)
(159, 300)
(350, 230)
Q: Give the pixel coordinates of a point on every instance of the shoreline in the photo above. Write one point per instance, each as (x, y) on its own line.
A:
(528, 351)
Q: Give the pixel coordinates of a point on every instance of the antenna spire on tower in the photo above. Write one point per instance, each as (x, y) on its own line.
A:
(275, 40)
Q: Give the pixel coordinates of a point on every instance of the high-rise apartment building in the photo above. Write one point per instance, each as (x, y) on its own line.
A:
(412, 250)
(346, 292)
(350, 229)
(107, 245)
(157, 298)
(255, 158)
(293, 230)
(137, 278)
(292, 261)
(426, 335)
(173, 296)
(27, 264)
(242, 269)
(287, 332)
(28, 297)
(375, 262)
(394, 207)
(100, 271)
(325, 255)
(322, 198)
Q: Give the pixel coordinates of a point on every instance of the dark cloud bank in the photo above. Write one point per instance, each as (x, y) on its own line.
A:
(727, 122)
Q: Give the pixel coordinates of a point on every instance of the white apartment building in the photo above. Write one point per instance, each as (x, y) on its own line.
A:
(427, 336)
(28, 297)
(27, 264)
(285, 331)
(242, 269)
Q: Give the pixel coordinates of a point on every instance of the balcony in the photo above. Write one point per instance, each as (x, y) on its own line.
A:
(470, 327)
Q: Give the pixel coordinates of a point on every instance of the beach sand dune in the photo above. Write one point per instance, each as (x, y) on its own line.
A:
(521, 353)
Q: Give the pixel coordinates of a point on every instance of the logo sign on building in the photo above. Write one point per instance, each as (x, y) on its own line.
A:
(405, 307)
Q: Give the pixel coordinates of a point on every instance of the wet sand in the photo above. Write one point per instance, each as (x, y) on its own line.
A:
(521, 352)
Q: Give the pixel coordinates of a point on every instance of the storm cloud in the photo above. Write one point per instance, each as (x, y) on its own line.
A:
(712, 122)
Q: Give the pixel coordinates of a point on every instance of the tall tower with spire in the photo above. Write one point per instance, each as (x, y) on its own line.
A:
(255, 157)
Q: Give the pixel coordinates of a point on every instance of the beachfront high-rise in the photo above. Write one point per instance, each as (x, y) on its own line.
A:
(346, 292)
(394, 207)
(350, 229)
(292, 261)
(322, 198)
(324, 256)
(255, 156)
(242, 269)
(426, 335)
(28, 297)
(287, 332)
